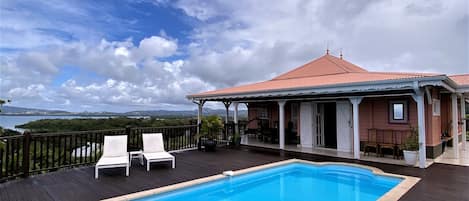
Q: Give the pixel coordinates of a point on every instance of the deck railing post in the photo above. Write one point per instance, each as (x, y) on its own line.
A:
(198, 135)
(25, 162)
(128, 131)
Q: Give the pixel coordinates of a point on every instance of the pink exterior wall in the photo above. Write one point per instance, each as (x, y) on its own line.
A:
(446, 114)
(433, 123)
(374, 113)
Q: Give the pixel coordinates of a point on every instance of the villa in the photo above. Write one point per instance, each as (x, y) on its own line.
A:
(327, 130)
(331, 103)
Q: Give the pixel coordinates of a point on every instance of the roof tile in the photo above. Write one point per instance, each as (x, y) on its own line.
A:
(462, 79)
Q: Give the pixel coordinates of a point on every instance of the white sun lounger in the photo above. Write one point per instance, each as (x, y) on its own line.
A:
(114, 154)
(153, 149)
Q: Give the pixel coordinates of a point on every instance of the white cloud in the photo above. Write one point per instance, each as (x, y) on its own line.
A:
(30, 91)
(156, 46)
(254, 40)
(233, 42)
(202, 10)
(134, 75)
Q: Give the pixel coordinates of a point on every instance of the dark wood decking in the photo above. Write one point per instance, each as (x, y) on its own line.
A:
(439, 182)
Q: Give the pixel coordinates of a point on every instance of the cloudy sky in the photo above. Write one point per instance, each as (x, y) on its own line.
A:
(147, 55)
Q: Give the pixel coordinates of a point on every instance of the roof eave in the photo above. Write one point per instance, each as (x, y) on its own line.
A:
(342, 88)
(463, 89)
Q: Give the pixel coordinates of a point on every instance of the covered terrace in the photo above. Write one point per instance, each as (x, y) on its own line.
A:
(336, 108)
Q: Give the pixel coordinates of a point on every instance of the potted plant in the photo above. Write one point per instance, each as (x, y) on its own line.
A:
(209, 131)
(411, 146)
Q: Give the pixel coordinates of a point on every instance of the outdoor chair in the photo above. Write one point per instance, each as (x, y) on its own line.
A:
(153, 149)
(400, 139)
(386, 141)
(371, 143)
(114, 154)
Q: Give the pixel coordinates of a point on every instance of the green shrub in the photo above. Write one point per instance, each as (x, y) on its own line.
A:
(211, 125)
(412, 142)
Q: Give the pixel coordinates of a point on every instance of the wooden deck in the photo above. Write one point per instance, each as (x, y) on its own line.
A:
(439, 182)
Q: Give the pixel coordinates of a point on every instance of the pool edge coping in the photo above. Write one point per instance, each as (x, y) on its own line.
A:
(394, 194)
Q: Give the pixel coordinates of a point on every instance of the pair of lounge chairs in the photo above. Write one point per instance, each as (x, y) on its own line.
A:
(115, 152)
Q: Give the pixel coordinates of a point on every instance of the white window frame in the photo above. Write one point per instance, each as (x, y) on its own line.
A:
(436, 107)
(405, 112)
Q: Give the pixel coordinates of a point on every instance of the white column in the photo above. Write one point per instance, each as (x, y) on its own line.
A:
(454, 113)
(199, 115)
(464, 126)
(421, 128)
(281, 123)
(235, 116)
(356, 126)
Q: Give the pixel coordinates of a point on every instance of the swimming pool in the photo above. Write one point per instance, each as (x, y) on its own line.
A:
(289, 182)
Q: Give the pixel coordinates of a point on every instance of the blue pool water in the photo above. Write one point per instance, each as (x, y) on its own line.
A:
(296, 181)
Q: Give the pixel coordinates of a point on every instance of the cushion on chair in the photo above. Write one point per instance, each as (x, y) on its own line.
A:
(115, 146)
(152, 142)
(157, 155)
(113, 160)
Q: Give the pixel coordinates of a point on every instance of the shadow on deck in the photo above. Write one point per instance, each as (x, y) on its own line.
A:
(439, 181)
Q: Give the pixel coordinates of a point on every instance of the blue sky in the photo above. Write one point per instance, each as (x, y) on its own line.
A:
(149, 54)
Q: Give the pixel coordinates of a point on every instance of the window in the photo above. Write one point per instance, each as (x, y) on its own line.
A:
(436, 107)
(398, 112)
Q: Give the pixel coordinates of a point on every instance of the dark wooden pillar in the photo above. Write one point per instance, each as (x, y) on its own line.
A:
(227, 106)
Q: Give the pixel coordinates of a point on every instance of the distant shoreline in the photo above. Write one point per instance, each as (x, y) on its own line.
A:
(78, 115)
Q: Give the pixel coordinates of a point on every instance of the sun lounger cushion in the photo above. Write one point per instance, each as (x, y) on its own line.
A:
(113, 160)
(115, 146)
(153, 143)
(158, 155)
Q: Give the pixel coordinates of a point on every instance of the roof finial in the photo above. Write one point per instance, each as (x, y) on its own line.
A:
(327, 47)
(341, 56)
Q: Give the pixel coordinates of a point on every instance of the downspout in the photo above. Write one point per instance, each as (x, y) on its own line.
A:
(428, 95)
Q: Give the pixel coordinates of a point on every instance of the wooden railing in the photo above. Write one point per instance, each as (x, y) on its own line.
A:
(35, 153)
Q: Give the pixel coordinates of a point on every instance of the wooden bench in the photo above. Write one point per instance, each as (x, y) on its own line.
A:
(386, 139)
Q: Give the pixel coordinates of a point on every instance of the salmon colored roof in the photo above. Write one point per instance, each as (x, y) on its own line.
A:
(325, 65)
(462, 79)
(322, 72)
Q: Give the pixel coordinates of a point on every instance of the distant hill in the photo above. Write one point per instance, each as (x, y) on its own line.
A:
(11, 110)
(184, 113)
(31, 111)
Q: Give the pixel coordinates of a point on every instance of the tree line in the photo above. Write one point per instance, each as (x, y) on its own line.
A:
(88, 124)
